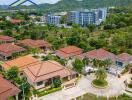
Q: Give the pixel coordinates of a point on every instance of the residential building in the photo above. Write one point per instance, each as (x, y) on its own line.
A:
(68, 52)
(29, 43)
(123, 60)
(8, 18)
(15, 21)
(41, 75)
(43, 18)
(87, 17)
(6, 39)
(8, 49)
(20, 63)
(102, 14)
(99, 54)
(8, 90)
(51, 19)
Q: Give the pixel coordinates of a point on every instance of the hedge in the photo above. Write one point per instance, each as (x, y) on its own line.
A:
(45, 92)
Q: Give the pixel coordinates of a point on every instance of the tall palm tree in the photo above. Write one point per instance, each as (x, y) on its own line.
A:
(95, 63)
(86, 61)
(101, 74)
(101, 63)
(108, 62)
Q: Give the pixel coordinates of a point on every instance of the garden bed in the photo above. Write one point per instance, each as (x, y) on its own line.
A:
(48, 91)
(89, 96)
(130, 86)
(100, 84)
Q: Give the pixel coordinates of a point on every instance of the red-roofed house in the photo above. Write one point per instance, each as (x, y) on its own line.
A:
(68, 52)
(7, 89)
(123, 59)
(6, 39)
(44, 45)
(21, 62)
(99, 54)
(15, 21)
(41, 74)
(8, 49)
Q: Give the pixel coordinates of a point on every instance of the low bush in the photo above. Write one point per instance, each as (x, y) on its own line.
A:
(130, 85)
(100, 83)
(45, 92)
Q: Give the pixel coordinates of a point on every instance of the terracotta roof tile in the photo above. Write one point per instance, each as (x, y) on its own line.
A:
(68, 51)
(7, 89)
(6, 38)
(125, 57)
(45, 70)
(15, 21)
(8, 49)
(21, 62)
(100, 54)
(34, 43)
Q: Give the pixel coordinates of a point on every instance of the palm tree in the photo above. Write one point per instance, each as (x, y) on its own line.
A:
(86, 61)
(78, 65)
(12, 73)
(34, 51)
(95, 63)
(101, 63)
(108, 62)
(101, 74)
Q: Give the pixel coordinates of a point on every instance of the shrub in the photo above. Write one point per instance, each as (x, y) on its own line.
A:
(130, 85)
(45, 92)
(57, 82)
(101, 83)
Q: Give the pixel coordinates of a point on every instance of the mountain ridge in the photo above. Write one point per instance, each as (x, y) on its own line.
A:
(66, 5)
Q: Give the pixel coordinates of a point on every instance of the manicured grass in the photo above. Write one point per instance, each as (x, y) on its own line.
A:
(90, 96)
(11, 98)
(100, 83)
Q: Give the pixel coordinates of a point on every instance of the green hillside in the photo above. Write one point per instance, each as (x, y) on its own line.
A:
(65, 5)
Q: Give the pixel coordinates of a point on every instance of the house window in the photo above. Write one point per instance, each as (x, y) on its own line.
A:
(119, 64)
(39, 83)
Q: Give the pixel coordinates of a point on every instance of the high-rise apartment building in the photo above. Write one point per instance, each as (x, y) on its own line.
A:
(87, 17)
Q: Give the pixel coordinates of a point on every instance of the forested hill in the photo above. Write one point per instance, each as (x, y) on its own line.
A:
(65, 5)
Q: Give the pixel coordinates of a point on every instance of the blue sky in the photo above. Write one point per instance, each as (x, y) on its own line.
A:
(6, 2)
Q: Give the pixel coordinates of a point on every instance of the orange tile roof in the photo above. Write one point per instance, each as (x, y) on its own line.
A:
(34, 43)
(21, 62)
(68, 51)
(6, 38)
(99, 54)
(125, 57)
(7, 89)
(8, 49)
(45, 70)
(15, 21)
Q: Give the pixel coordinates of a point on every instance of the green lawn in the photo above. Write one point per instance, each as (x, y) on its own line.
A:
(90, 96)
(100, 83)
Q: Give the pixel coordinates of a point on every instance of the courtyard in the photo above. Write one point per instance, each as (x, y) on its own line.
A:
(116, 87)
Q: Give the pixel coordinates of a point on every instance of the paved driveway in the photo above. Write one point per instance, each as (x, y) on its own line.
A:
(116, 87)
